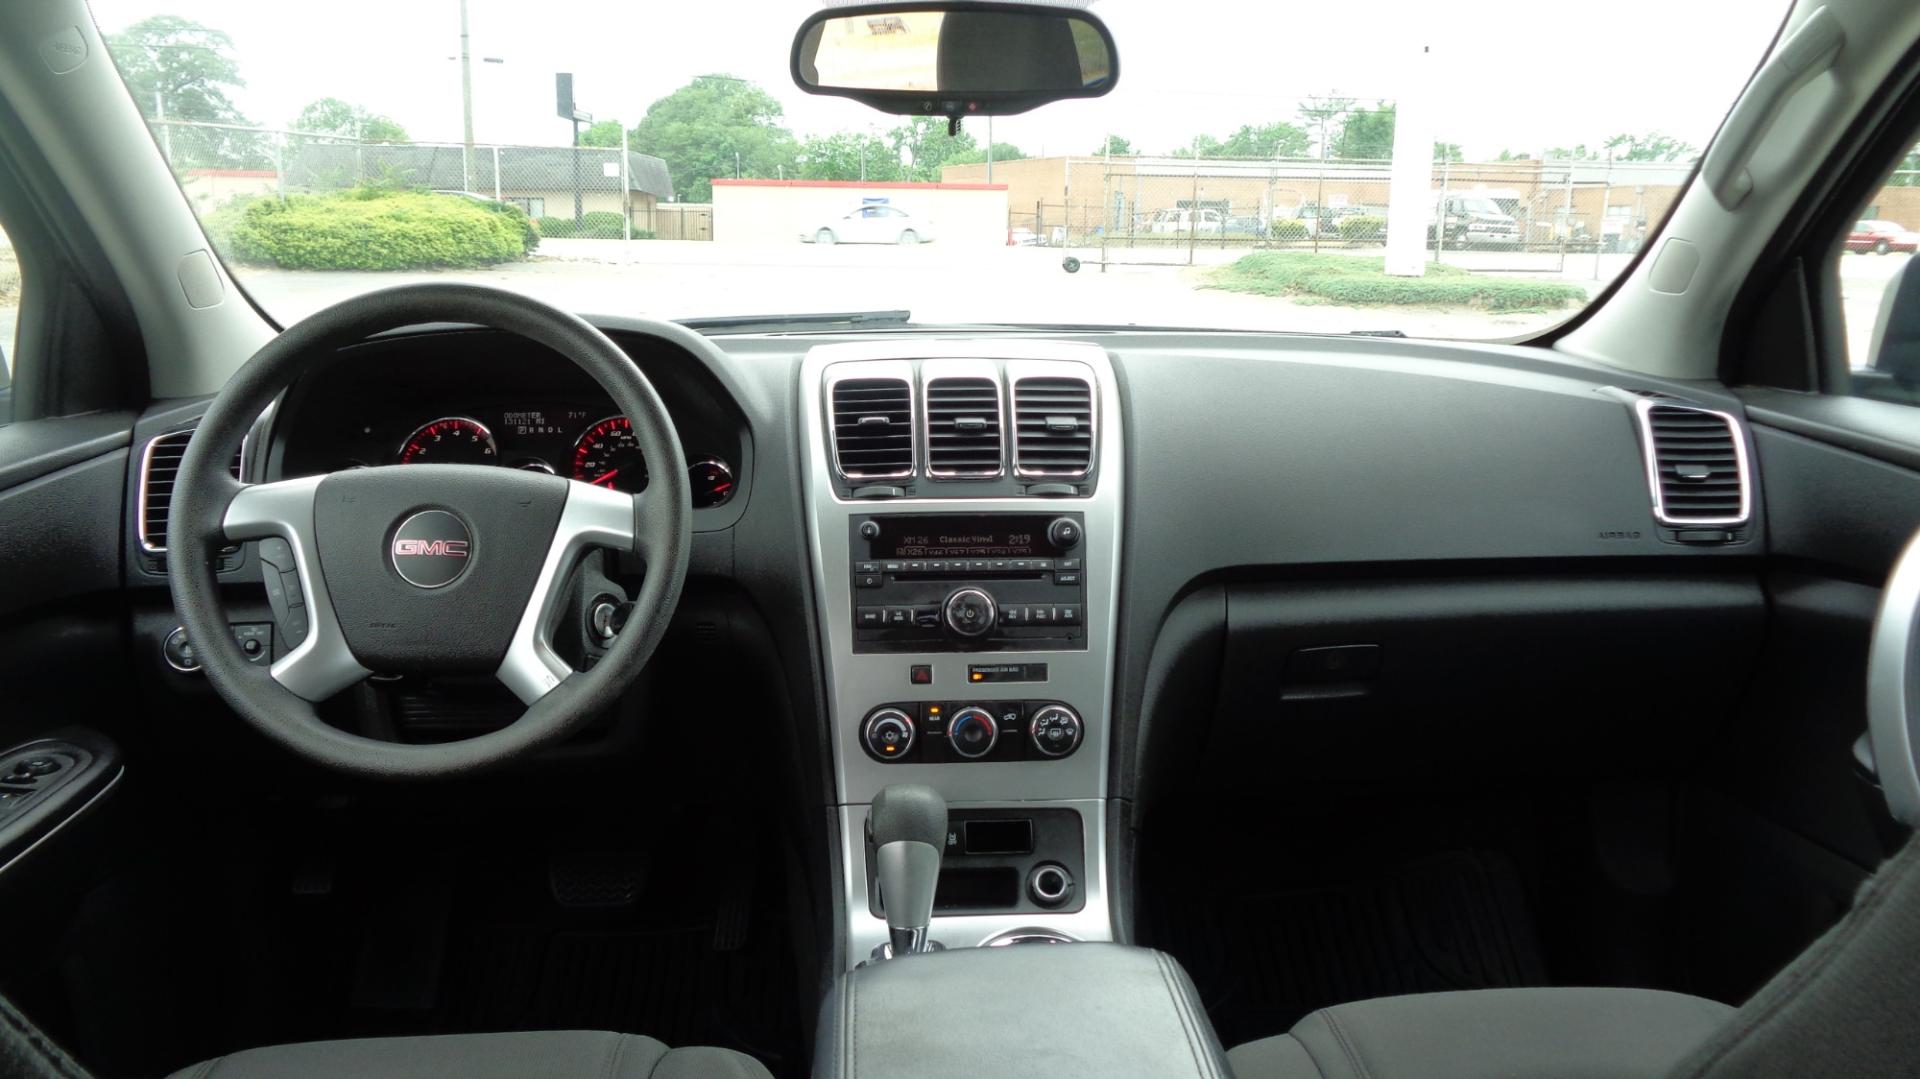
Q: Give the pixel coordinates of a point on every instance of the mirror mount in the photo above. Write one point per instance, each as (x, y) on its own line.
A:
(954, 58)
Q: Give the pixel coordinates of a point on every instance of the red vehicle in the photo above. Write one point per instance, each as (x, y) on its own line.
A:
(1881, 237)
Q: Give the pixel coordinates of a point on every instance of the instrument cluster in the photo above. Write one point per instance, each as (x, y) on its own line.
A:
(577, 443)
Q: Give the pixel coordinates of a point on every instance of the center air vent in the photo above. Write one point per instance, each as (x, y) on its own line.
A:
(1696, 465)
(1053, 427)
(963, 429)
(158, 470)
(873, 428)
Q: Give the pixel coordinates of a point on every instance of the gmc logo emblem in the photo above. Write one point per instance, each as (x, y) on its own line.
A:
(431, 548)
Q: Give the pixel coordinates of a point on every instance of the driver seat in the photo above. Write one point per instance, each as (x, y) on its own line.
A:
(533, 1054)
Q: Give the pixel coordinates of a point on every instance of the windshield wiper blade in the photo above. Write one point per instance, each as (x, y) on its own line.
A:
(820, 318)
(1376, 333)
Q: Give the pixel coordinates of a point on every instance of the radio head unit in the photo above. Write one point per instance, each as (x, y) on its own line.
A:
(929, 582)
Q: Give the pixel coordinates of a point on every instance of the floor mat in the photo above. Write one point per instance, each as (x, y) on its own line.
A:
(1451, 921)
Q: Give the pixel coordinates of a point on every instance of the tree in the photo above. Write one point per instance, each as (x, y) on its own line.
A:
(1002, 151)
(1325, 114)
(1279, 139)
(1201, 146)
(1366, 134)
(602, 133)
(848, 155)
(1448, 151)
(1650, 147)
(1116, 146)
(1509, 155)
(1574, 153)
(923, 143)
(332, 116)
(178, 69)
(711, 127)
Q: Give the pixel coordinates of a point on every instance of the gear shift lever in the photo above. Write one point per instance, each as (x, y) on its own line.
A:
(908, 826)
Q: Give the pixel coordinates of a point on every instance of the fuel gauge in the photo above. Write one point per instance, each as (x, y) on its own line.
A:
(712, 481)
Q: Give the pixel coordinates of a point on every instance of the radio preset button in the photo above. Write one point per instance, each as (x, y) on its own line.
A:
(1068, 615)
(1013, 616)
(1039, 615)
(866, 567)
(870, 617)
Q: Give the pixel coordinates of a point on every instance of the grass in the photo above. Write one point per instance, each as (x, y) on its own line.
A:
(1362, 282)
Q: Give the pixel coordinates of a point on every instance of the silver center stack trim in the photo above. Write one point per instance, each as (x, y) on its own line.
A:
(856, 683)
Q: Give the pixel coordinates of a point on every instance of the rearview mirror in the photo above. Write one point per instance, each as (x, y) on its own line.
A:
(955, 59)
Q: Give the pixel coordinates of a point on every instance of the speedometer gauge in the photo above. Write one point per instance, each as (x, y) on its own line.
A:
(608, 455)
(450, 440)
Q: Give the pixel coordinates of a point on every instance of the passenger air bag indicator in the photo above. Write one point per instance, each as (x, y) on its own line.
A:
(983, 673)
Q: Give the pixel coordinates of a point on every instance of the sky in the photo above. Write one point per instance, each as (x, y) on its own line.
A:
(1519, 75)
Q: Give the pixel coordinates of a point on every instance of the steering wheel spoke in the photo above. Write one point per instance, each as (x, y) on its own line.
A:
(593, 517)
(321, 665)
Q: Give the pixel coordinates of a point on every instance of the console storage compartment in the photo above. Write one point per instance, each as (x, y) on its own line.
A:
(1028, 1011)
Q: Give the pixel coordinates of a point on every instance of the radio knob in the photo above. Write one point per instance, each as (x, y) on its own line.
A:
(1055, 730)
(1064, 533)
(973, 732)
(969, 612)
(888, 734)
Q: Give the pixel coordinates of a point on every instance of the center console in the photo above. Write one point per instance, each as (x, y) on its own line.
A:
(963, 512)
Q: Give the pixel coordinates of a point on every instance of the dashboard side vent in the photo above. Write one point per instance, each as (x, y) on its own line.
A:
(873, 428)
(963, 429)
(1053, 427)
(159, 468)
(1696, 465)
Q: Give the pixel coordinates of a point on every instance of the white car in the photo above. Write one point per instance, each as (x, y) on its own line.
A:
(877, 223)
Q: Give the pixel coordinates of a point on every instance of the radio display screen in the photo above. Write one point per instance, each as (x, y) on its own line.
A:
(933, 536)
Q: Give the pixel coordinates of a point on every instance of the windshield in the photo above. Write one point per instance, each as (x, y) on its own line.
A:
(657, 160)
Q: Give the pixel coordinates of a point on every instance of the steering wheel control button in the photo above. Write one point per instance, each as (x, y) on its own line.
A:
(431, 549)
(178, 651)
(973, 733)
(970, 613)
(888, 734)
(256, 641)
(1055, 730)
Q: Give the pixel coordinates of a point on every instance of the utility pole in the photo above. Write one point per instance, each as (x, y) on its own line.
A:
(990, 153)
(466, 104)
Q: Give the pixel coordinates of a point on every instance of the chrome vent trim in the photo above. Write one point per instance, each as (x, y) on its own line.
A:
(159, 467)
(956, 393)
(1717, 488)
(1045, 398)
(870, 425)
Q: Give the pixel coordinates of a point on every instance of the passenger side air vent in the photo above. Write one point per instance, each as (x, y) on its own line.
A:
(1053, 427)
(963, 429)
(873, 428)
(158, 470)
(1696, 465)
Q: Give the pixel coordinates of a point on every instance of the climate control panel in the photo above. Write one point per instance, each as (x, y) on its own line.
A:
(960, 732)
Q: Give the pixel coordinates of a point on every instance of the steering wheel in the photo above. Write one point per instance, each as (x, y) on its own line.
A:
(425, 568)
(1893, 688)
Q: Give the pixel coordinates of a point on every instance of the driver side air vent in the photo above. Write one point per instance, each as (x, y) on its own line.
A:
(159, 467)
(1696, 465)
(963, 428)
(873, 428)
(1052, 427)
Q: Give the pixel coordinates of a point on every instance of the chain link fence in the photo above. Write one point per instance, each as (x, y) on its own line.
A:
(1526, 216)
(570, 192)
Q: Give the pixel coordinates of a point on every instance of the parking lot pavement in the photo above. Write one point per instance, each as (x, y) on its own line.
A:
(955, 284)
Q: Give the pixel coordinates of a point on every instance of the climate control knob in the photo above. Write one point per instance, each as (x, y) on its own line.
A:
(969, 612)
(973, 732)
(888, 734)
(1055, 730)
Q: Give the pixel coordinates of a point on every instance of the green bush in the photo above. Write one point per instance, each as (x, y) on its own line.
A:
(1289, 228)
(1363, 227)
(220, 221)
(518, 220)
(593, 225)
(367, 229)
(1347, 279)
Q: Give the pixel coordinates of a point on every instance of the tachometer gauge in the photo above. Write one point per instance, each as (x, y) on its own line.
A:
(712, 481)
(607, 454)
(450, 440)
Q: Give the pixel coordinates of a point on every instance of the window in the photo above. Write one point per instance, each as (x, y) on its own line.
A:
(9, 322)
(1880, 288)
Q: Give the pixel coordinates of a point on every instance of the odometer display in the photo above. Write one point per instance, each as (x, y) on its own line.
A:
(450, 440)
(608, 455)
